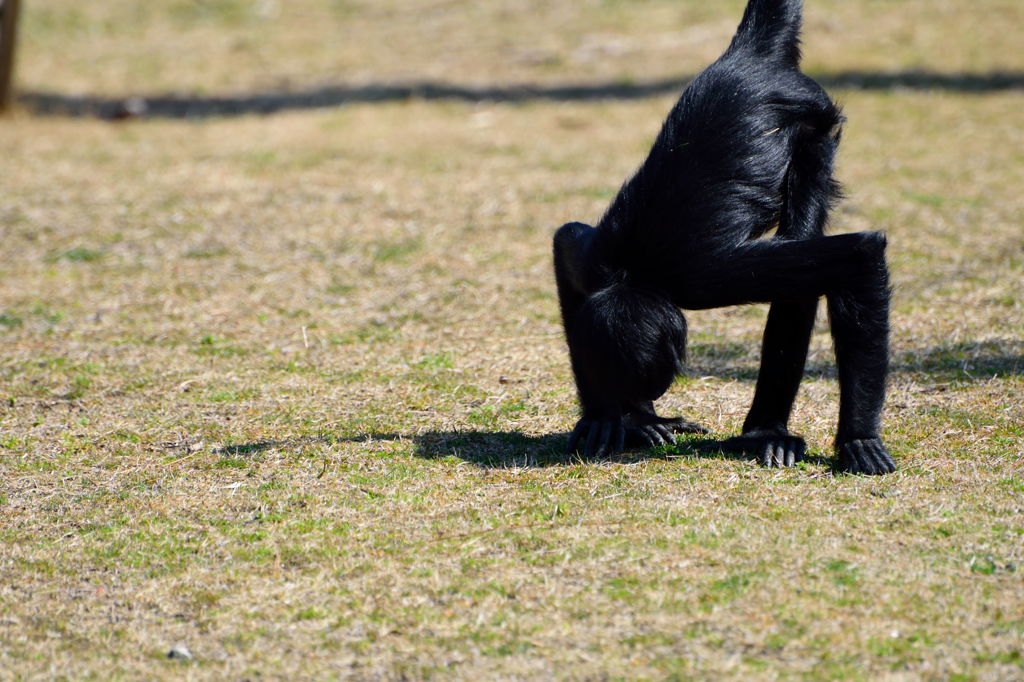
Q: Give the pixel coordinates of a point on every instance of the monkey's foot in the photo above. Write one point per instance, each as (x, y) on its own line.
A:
(602, 437)
(865, 456)
(773, 449)
(608, 437)
(680, 425)
(650, 431)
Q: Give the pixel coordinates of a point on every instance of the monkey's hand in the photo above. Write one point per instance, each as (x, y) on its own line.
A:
(773, 447)
(680, 425)
(608, 437)
(602, 437)
(649, 430)
(865, 456)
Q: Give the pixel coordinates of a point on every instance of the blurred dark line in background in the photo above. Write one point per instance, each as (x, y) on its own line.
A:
(174, 106)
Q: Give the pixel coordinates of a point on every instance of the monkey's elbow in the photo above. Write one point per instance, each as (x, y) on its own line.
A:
(571, 244)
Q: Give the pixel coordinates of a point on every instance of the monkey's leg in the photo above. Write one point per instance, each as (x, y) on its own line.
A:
(787, 336)
(809, 194)
(850, 271)
(860, 330)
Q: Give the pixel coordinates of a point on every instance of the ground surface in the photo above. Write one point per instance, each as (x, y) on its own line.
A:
(291, 390)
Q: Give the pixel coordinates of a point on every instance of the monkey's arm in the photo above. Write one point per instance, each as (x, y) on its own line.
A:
(626, 346)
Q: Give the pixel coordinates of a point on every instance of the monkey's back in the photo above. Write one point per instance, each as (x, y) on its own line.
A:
(715, 175)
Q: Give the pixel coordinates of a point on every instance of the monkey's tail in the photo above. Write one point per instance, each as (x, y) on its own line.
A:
(771, 28)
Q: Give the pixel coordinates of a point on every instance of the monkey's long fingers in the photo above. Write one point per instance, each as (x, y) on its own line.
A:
(852, 457)
(666, 433)
(642, 436)
(882, 458)
(652, 432)
(888, 466)
(575, 436)
(771, 454)
(620, 440)
(605, 440)
(795, 452)
(591, 447)
(867, 456)
(782, 453)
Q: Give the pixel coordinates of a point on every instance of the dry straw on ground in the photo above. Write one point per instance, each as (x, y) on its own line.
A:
(291, 391)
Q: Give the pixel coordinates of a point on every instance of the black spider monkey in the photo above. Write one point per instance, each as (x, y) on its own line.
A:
(749, 146)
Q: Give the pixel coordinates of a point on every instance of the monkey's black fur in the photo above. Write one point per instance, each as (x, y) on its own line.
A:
(749, 146)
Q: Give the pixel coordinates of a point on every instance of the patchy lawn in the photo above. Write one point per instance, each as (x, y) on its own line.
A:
(291, 390)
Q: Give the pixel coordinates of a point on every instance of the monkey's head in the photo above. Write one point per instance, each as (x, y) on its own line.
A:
(632, 341)
(628, 341)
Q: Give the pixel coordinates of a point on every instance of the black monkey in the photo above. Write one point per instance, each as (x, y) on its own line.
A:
(749, 146)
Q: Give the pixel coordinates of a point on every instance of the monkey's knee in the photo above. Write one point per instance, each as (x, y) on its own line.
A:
(870, 246)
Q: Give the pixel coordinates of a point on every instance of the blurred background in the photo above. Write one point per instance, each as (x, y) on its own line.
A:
(121, 48)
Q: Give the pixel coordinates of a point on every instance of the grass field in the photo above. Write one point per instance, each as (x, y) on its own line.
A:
(291, 390)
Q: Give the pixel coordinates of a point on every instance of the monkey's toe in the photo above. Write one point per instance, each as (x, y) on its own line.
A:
(649, 436)
(771, 450)
(600, 438)
(680, 425)
(867, 456)
(781, 453)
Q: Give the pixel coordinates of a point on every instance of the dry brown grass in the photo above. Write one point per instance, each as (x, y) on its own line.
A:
(292, 390)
